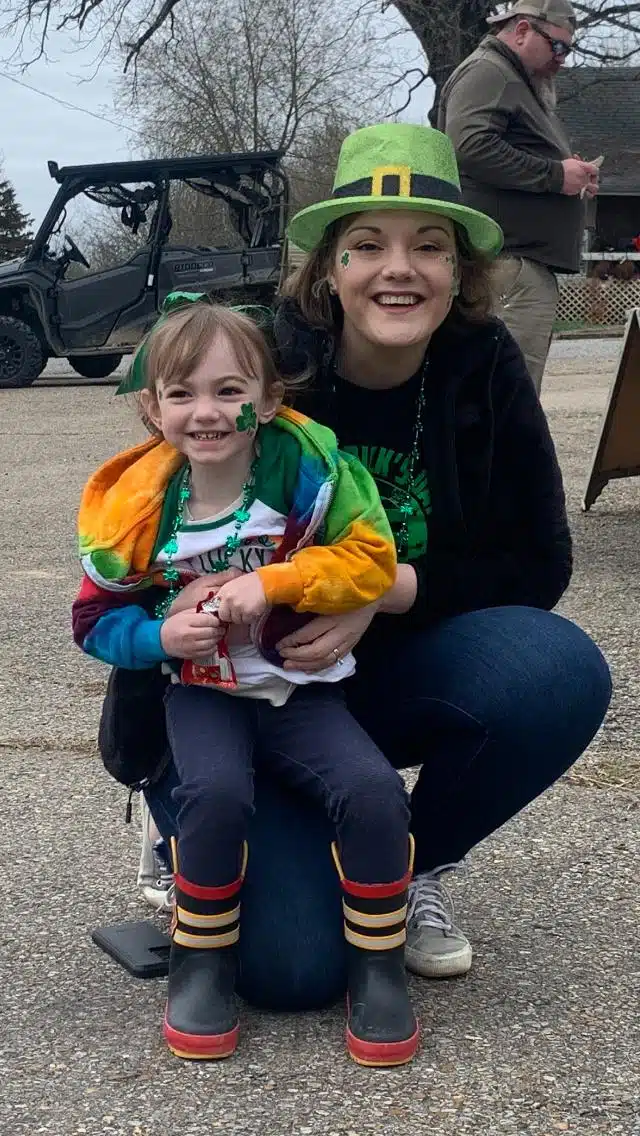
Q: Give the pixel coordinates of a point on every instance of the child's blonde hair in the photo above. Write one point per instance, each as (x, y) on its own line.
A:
(176, 345)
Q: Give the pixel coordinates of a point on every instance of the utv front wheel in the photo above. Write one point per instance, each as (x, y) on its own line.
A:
(95, 366)
(22, 356)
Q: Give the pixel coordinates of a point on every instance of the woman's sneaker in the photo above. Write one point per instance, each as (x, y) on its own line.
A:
(435, 947)
(155, 874)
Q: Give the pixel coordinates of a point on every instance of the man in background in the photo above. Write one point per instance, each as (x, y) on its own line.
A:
(498, 108)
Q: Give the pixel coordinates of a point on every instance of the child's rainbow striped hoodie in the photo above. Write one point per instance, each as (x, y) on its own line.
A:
(336, 554)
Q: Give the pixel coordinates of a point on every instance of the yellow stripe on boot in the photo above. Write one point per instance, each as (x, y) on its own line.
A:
(384, 919)
(192, 919)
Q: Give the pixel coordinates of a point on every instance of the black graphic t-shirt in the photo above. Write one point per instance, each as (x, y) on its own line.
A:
(378, 428)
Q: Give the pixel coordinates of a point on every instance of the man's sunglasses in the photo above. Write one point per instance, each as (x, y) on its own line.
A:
(559, 48)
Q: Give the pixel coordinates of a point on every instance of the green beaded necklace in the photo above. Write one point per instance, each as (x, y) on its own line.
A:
(402, 497)
(232, 543)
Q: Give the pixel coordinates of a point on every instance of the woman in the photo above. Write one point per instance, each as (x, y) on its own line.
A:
(462, 668)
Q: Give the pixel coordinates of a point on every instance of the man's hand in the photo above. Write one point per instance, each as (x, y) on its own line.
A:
(191, 635)
(580, 176)
(191, 595)
(242, 600)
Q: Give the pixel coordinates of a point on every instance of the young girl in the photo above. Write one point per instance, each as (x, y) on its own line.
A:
(233, 480)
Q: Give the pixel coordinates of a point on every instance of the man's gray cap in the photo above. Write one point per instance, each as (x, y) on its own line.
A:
(559, 13)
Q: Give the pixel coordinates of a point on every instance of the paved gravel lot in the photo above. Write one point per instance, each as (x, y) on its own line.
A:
(541, 1038)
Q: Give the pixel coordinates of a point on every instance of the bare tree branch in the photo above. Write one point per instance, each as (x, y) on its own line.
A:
(137, 45)
(445, 30)
(606, 59)
(448, 30)
(265, 74)
(623, 16)
(411, 88)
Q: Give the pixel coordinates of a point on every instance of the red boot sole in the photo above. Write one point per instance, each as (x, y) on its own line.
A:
(201, 1047)
(383, 1054)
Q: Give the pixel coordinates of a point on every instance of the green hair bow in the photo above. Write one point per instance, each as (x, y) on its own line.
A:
(136, 378)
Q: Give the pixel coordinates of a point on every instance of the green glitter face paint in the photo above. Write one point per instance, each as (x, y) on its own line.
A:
(246, 420)
(451, 260)
(345, 259)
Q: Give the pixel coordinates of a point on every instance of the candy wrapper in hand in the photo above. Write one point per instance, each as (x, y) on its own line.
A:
(218, 671)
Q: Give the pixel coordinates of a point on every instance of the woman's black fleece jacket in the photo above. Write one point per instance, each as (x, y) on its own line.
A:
(498, 531)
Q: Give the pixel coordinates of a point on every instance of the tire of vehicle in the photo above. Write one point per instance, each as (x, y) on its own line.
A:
(94, 366)
(22, 355)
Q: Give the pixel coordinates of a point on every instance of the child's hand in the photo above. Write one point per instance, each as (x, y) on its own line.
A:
(197, 590)
(191, 635)
(242, 600)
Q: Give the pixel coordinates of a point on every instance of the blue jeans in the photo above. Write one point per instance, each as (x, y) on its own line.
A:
(313, 745)
(495, 705)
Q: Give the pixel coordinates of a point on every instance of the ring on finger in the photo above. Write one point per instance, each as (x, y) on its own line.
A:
(336, 655)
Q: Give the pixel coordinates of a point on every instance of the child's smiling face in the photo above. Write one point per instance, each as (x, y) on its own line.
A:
(212, 415)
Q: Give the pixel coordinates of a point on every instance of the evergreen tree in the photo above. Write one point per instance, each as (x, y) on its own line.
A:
(15, 226)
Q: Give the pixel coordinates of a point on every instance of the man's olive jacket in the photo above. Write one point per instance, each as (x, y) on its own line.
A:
(510, 149)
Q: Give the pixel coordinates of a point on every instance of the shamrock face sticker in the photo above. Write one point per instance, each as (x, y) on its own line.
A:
(345, 259)
(246, 420)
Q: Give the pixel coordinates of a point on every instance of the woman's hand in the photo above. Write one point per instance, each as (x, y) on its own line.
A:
(313, 648)
(192, 594)
(320, 643)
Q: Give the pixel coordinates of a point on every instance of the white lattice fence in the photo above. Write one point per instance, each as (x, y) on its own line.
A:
(589, 300)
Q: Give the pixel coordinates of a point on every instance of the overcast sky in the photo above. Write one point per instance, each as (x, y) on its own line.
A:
(37, 128)
(34, 128)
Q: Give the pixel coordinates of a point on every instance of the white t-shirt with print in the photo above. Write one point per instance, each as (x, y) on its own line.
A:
(200, 545)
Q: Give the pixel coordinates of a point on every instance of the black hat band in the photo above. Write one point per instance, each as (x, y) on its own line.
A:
(422, 185)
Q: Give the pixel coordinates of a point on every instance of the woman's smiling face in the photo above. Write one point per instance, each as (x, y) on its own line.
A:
(396, 275)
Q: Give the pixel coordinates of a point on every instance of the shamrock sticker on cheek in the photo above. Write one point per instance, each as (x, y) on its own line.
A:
(247, 421)
(345, 259)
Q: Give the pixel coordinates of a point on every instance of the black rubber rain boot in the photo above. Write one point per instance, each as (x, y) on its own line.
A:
(381, 1026)
(201, 1018)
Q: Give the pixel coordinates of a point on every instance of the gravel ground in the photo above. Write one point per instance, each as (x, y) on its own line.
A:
(541, 1038)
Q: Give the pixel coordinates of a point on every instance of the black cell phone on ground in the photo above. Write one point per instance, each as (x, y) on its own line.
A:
(141, 948)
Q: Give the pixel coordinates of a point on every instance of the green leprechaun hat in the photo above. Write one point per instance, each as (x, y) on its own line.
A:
(396, 166)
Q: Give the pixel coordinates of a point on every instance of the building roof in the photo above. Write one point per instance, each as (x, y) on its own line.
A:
(600, 108)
